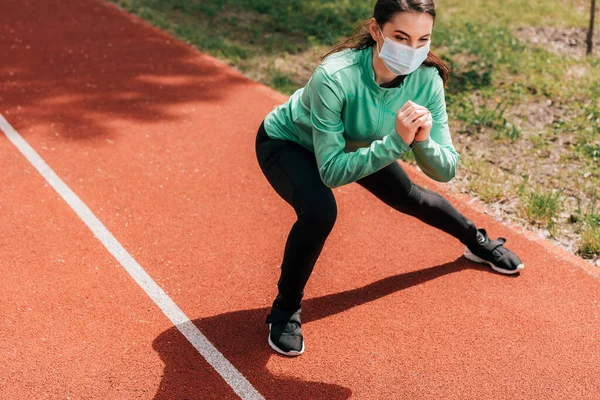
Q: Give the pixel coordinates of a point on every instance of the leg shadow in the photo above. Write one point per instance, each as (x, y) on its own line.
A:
(241, 336)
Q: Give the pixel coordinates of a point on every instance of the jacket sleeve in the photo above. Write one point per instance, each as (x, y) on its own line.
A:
(436, 155)
(337, 167)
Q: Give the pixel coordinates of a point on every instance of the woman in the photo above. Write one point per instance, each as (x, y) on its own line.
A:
(376, 96)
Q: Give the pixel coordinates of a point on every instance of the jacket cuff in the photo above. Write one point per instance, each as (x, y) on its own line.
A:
(399, 144)
(424, 144)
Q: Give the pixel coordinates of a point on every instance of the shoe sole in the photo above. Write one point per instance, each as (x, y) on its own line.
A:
(470, 256)
(292, 353)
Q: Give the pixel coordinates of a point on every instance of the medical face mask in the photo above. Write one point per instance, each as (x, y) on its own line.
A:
(401, 59)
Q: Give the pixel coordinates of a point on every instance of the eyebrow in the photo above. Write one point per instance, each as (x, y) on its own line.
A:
(404, 33)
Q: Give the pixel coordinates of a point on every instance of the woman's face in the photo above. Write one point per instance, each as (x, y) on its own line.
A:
(409, 28)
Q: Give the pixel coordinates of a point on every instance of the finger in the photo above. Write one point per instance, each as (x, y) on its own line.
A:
(428, 114)
(418, 122)
(406, 105)
(416, 114)
(418, 107)
(403, 114)
(417, 110)
(409, 110)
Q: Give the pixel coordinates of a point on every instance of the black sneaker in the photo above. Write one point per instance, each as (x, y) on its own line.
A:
(494, 253)
(285, 332)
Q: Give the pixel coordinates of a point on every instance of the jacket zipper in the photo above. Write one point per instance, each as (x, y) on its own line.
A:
(379, 117)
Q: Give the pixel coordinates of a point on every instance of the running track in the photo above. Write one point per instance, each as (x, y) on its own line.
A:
(156, 141)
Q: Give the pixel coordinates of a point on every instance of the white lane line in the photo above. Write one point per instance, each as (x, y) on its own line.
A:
(232, 376)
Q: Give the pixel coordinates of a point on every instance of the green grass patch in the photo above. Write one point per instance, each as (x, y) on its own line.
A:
(479, 117)
(474, 36)
(540, 207)
(589, 245)
(515, 12)
(487, 181)
(589, 217)
(590, 150)
(585, 123)
(281, 81)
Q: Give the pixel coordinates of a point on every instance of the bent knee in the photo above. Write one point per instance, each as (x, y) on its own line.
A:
(322, 216)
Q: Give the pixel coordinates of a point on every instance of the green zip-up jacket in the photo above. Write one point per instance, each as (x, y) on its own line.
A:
(348, 121)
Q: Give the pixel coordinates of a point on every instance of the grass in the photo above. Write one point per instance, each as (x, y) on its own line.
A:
(479, 117)
(486, 181)
(281, 80)
(540, 207)
(589, 244)
(589, 216)
(515, 12)
(238, 30)
(586, 123)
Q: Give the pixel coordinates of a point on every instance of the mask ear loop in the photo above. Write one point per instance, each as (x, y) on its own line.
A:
(376, 42)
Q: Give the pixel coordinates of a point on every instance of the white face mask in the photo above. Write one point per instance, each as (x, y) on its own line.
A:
(401, 59)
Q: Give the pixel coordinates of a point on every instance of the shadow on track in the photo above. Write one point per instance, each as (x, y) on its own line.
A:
(81, 66)
(241, 336)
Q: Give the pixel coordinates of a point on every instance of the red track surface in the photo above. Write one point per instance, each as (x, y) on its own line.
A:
(158, 140)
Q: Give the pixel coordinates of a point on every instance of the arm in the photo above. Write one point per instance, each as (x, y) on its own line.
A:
(336, 167)
(436, 155)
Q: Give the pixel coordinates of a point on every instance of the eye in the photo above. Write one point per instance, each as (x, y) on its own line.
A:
(400, 38)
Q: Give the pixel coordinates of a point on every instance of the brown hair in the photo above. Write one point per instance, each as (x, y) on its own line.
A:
(384, 11)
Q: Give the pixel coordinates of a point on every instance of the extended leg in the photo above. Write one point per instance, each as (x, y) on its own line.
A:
(394, 187)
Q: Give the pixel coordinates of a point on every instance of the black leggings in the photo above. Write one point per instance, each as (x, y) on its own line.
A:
(292, 171)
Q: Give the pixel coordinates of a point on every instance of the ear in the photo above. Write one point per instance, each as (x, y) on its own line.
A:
(374, 29)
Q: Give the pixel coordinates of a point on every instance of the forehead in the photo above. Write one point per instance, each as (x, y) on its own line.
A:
(415, 24)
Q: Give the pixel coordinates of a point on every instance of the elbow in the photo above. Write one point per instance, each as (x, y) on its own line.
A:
(443, 171)
(327, 180)
(450, 172)
(328, 184)
(446, 178)
(442, 176)
(332, 181)
(332, 184)
(449, 175)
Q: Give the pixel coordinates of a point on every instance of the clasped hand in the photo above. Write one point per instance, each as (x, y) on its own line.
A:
(413, 122)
